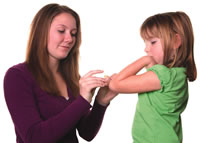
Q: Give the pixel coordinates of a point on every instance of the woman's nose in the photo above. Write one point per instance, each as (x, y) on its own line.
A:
(68, 37)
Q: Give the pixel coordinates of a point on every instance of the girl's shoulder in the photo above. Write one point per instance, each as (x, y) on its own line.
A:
(162, 69)
(167, 75)
(158, 67)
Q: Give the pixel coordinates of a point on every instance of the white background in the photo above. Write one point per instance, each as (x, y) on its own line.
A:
(111, 40)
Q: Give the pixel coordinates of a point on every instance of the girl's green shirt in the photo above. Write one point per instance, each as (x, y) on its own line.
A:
(157, 117)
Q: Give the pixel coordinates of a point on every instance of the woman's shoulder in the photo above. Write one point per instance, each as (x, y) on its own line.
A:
(20, 69)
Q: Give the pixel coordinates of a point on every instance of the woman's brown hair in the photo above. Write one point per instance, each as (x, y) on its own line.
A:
(37, 57)
(166, 26)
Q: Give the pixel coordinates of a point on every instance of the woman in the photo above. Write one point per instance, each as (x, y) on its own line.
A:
(47, 99)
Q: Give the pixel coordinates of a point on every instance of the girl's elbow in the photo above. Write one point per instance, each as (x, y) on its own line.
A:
(113, 86)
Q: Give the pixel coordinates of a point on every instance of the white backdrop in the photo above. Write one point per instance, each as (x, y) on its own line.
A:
(111, 40)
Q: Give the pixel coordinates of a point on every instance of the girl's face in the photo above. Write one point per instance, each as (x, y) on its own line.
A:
(62, 36)
(153, 48)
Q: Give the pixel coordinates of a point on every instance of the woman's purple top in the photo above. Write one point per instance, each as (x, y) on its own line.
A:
(42, 118)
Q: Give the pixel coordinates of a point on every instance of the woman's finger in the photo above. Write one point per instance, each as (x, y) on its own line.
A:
(90, 73)
(93, 78)
(91, 82)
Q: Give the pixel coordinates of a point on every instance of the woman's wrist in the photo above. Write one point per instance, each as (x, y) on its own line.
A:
(103, 102)
(87, 97)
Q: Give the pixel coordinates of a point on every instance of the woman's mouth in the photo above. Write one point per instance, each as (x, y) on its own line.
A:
(65, 47)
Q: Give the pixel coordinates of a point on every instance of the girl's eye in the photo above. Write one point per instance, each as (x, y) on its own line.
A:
(153, 42)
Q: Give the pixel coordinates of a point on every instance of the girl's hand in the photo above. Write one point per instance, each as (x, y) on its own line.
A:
(88, 83)
(105, 95)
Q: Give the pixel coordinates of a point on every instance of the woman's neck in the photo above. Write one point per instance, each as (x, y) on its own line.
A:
(53, 65)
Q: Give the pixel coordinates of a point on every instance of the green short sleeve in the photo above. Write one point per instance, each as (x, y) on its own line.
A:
(163, 74)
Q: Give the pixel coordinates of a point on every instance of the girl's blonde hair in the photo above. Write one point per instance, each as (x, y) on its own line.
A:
(37, 57)
(166, 26)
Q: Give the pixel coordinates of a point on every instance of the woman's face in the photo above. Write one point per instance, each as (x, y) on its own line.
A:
(62, 36)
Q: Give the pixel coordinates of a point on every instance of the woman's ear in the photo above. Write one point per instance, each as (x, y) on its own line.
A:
(178, 41)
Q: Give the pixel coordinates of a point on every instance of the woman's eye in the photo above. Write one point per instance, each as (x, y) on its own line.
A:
(74, 34)
(61, 31)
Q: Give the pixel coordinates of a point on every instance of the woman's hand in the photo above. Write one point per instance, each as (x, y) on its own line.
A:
(88, 83)
(105, 95)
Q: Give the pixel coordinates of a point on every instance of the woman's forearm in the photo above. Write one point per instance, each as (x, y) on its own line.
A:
(91, 122)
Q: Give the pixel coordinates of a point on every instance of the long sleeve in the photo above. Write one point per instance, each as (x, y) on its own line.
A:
(91, 122)
(24, 111)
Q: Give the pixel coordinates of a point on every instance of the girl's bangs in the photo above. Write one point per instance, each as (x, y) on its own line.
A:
(148, 32)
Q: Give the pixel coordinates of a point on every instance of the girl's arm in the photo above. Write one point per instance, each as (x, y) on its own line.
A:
(127, 81)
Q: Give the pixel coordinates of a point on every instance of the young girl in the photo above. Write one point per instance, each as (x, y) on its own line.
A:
(163, 88)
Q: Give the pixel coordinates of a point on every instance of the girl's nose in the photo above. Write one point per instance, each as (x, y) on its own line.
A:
(146, 49)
